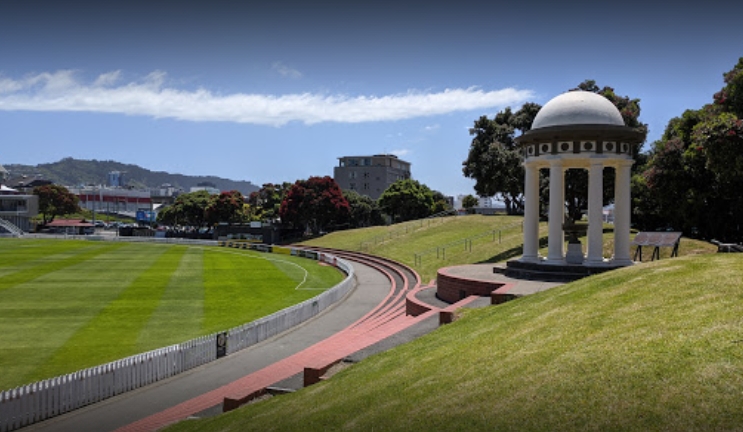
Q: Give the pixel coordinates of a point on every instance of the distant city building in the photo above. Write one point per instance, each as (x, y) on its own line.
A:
(370, 175)
(109, 200)
(116, 179)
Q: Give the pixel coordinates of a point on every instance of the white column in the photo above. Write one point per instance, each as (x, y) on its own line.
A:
(556, 239)
(595, 213)
(531, 213)
(622, 213)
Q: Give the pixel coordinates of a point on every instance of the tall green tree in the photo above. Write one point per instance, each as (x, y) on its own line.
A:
(364, 211)
(406, 200)
(266, 202)
(55, 200)
(469, 202)
(189, 209)
(694, 174)
(316, 204)
(494, 160)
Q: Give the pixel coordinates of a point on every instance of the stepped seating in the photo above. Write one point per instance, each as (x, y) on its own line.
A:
(11, 228)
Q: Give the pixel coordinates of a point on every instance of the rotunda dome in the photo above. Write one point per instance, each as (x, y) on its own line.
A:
(577, 107)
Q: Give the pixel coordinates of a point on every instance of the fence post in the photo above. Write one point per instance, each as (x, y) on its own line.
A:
(498, 236)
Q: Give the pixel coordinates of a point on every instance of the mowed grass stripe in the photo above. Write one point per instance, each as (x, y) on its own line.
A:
(114, 332)
(238, 286)
(19, 251)
(241, 285)
(179, 315)
(38, 268)
(38, 317)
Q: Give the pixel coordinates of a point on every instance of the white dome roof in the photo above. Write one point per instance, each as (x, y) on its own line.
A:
(577, 107)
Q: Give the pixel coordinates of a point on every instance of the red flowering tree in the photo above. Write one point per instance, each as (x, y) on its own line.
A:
(316, 204)
(225, 207)
(55, 200)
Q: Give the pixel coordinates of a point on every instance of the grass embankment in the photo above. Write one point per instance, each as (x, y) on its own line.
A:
(494, 239)
(656, 346)
(67, 305)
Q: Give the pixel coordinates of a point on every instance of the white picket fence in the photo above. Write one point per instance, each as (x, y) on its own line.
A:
(35, 402)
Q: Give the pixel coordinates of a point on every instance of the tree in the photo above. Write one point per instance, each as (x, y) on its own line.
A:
(55, 200)
(494, 159)
(225, 207)
(406, 200)
(266, 202)
(316, 204)
(694, 174)
(469, 202)
(440, 203)
(364, 211)
(189, 209)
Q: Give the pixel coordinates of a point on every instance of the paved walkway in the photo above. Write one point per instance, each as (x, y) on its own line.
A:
(521, 287)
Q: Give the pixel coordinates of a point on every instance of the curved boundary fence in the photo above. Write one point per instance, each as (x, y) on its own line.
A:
(39, 401)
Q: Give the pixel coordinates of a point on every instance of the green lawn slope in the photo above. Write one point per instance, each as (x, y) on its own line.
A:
(441, 242)
(656, 346)
(66, 305)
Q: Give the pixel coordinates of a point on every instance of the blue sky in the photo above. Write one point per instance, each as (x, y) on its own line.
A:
(272, 93)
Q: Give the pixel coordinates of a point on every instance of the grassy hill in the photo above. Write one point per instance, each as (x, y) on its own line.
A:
(71, 172)
(656, 346)
(429, 244)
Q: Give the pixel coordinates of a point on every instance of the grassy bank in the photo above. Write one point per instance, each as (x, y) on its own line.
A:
(657, 346)
(67, 305)
(429, 244)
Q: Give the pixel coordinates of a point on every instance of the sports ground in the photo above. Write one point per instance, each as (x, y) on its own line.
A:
(68, 305)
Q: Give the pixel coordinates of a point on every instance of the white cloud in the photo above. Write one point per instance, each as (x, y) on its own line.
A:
(432, 127)
(61, 91)
(286, 71)
(107, 79)
(401, 152)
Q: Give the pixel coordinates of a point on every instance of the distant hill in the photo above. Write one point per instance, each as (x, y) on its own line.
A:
(75, 172)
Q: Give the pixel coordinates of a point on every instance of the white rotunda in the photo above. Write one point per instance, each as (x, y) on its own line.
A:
(578, 130)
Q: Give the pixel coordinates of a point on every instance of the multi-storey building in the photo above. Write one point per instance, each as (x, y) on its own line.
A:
(16, 208)
(113, 200)
(370, 175)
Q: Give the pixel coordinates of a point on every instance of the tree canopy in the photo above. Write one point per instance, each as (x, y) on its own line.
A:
(187, 210)
(316, 204)
(55, 200)
(364, 211)
(225, 207)
(266, 202)
(469, 202)
(694, 174)
(406, 200)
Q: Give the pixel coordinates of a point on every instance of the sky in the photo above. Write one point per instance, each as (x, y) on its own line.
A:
(278, 91)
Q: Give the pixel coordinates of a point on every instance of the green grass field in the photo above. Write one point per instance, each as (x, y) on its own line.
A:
(67, 305)
(656, 346)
